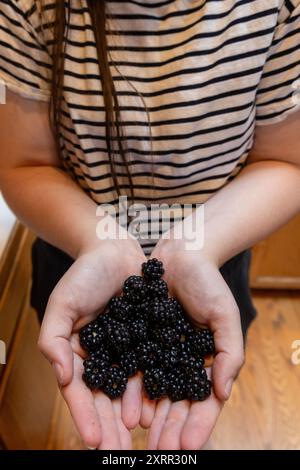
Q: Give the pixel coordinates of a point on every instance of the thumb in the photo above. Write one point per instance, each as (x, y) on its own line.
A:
(54, 339)
(230, 353)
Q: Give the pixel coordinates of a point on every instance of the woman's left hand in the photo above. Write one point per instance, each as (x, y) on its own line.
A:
(194, 278)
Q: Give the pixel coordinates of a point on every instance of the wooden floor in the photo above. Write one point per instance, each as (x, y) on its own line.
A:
(264, 410)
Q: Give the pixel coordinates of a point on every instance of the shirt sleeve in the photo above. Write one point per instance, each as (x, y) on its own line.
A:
(279, 89)
(24, 61)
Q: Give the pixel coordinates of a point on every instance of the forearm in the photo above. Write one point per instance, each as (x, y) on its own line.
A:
(48, 201)
(263, 197)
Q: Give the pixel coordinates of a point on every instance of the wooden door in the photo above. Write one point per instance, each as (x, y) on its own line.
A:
(276, 260)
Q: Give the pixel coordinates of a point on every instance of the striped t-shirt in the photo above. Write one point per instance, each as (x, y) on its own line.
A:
(208, 72)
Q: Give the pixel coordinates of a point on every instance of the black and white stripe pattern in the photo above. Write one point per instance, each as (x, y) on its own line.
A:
(208, 71)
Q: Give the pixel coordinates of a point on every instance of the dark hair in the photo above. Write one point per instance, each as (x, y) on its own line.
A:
(113, 128)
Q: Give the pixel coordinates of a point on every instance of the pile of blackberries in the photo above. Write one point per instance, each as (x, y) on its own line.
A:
(145, 330)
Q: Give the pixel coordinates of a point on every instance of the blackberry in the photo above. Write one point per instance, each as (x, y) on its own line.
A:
(198, 386)
(115, 383)
(186, 331)
(141, 311)
(120, 309)
(129, 363)
(187, 361)
(168, 358)
(168, 336)
(148, 354)
(155, 383)
(197, 374)
(157, 289)
(138, 330)
(153, 269)
(135, 289)
(101, 355)
(95, 373)
(92, 336)
(177, 389)
(175, 306)
(118, 336)
(203, 342)
(103, 319)
(183, 348)
(164, 312)
(174, 335)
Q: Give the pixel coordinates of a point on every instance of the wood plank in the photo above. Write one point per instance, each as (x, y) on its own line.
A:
(276, 282)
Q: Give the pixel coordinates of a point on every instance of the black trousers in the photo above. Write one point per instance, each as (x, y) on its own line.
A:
(49, 265)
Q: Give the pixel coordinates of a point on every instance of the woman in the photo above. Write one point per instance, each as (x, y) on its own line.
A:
(187, 101)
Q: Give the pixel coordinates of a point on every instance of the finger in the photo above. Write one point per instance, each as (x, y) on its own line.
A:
(161, 413)
(148, 412)
(76, 347)
(110, 431)
(132, 402)
(200, 423)
(54, 339)
(81, 404)
(124, 433)
(171, 432)
(230, 352)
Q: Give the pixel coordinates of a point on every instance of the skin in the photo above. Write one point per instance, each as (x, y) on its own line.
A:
(264, 196)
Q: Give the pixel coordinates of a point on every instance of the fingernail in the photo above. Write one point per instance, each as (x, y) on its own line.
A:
(228, 388)
(91, 448)
(58, 372)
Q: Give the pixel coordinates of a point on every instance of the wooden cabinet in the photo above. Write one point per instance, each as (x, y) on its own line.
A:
(276, 260)
(14, 283)
(28, 390)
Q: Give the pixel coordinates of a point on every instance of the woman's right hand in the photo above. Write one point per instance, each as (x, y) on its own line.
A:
(83, 292)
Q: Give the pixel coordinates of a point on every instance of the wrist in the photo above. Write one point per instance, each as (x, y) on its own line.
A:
(218, 245)
(211, 249)
(183, 241)
(174, 254)
(215, 247)
(100, 232)
(123, 253)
